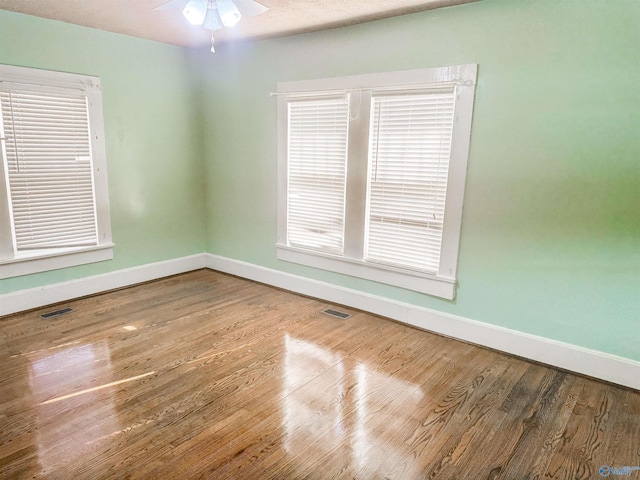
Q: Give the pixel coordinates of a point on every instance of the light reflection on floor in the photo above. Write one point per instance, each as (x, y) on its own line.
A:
(301, 409)
(345, 397)
(59, 375)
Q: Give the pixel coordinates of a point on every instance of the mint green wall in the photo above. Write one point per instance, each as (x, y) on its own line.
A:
(152, 127)
(550, 238)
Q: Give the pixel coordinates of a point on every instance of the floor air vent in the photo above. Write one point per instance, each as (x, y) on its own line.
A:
(56, 313)
(336, 313)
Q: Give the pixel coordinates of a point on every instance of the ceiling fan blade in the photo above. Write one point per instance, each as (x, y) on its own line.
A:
(172, 4)
(250, 8)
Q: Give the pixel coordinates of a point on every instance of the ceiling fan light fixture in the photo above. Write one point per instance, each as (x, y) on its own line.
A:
(195, 11)
(229, 12)
(212, 21)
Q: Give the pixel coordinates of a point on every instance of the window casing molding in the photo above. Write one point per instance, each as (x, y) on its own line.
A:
(13, 262)
(359, 90)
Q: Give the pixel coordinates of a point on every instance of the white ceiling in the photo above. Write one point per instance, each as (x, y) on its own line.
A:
(139, 18)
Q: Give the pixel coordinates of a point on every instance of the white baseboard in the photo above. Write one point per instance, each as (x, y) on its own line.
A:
(577, 359)
(581, 360)
(59, 292)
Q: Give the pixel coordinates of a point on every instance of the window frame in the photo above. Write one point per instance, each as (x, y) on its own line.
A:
(440, 284)
(12, 263)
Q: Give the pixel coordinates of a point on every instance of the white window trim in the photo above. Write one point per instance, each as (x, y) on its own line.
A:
(441, 284)
(13, 265)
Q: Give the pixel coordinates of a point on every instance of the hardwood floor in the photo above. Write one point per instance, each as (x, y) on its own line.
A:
(205, 375)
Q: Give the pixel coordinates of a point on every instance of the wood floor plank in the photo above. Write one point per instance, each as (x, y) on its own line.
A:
(205, 375)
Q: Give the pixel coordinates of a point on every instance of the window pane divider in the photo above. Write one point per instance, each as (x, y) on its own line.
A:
(355, 209)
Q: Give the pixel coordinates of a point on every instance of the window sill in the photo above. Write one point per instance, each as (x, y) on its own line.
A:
(420, 282)
(53, 259)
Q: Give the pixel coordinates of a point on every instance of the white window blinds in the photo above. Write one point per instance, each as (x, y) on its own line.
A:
(317, 157)
(409, 151)
(47, 154)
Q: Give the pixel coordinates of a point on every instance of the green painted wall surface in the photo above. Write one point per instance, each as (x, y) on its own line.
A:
(152, 127)
(551, 224)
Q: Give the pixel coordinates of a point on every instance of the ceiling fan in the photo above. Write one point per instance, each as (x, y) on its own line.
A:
(215, 14)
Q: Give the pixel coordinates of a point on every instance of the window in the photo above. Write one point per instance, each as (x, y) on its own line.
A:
(318, 131)
(371, 174)
(53, 185)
